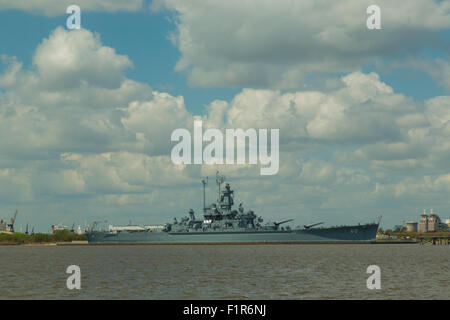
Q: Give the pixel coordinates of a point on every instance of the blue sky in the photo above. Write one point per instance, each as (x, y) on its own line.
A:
(143, 36)
(363, 114)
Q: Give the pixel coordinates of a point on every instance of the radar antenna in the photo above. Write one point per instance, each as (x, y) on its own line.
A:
(205, 182)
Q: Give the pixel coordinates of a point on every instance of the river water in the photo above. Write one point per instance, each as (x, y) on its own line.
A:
(408, 271)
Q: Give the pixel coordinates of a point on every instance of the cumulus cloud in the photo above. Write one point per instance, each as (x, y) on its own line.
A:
(124, 172)
(425, 191)
(439, 69)
(74, 126)
(278, 44)
(100, 144)
(58, 7)
(71, 100)
(153, 121)
(68, 59)
(364, 110)
(438, 110)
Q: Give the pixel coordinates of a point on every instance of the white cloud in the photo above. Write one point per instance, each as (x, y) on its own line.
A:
(438, 110)
(438, 69)
(428, 190)
(68, 59)
(125, 172)
(70, 101)
(58, 7)
(153, 121)
(14, 186)
(99, 146)
(277, 44)
(364, 110)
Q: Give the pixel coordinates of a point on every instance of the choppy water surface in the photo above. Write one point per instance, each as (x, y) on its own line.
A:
(226, 272)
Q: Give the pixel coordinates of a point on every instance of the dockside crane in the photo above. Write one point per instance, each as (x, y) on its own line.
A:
(13, 220)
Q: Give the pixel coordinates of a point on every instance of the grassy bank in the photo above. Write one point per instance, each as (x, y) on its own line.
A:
(417, 235)
(22, 238)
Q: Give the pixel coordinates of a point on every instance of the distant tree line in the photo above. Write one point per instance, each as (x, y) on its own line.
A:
(22, 238)
(402, 233)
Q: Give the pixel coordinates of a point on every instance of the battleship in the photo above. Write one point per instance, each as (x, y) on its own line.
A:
(222, 223)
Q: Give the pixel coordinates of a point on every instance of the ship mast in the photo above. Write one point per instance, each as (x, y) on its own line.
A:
(204, 193)
(219, 181)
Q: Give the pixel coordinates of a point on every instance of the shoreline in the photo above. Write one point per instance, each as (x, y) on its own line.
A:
(45, 244)
(250, 243)
(85, 243)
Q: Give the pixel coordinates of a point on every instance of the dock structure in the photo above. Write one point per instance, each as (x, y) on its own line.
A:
(435, 240)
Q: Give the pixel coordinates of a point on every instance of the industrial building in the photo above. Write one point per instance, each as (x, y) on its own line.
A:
(411, 227)
(447, 223)
(431, 222)
(423, 223)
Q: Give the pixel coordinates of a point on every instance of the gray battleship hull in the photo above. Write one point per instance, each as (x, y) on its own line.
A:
(357, 233)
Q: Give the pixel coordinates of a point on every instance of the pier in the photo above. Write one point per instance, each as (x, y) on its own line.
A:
(435, 240)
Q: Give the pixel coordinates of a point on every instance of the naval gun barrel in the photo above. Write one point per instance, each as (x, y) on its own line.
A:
(278, 223)
(307, 226)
